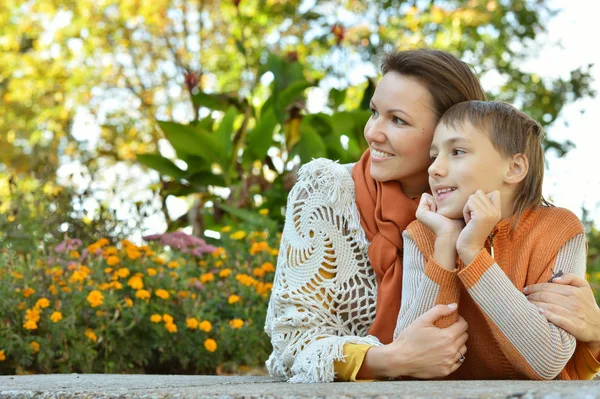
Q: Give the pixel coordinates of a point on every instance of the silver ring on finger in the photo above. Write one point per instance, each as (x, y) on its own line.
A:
(462, 357)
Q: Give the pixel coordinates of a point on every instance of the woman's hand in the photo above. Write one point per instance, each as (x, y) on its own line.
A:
(439, 224)
(569, 303)
(421, 351)
(481, 212)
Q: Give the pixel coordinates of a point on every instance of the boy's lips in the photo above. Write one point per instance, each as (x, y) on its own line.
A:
(443, 192)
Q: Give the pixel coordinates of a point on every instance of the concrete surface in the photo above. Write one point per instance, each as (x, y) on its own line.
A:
(177, 386)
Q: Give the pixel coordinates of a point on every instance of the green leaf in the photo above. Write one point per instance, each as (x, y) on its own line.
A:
(161, 164)
(216, 101)
(225, 131)
(204, 179)
(336, 97)
(250, 217)
(193, 140)
(365, 103)
(261, 137)
(311, 145)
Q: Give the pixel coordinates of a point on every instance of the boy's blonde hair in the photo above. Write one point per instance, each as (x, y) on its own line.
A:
(511, 132)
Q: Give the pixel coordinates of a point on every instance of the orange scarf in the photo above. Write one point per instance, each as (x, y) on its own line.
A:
(385, 211)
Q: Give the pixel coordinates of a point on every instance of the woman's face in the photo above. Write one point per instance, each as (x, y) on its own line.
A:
(400, 131)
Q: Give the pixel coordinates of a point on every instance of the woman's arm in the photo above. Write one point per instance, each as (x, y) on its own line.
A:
(569, 302)
(420, 351)
(537, 348)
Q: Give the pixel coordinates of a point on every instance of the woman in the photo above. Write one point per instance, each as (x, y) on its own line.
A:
(336, 294)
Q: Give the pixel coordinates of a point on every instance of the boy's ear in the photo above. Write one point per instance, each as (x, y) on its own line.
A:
(517, 169)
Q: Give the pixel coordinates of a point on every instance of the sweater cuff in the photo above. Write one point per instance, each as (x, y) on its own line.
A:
(354, 355)
(471, 274)
(438, 274)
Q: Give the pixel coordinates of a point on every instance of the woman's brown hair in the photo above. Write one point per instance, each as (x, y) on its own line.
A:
(448, 79)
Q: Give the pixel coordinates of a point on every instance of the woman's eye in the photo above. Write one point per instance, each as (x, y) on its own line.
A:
(432, 158)
(456, 151)
(398, 121)
(374, 113)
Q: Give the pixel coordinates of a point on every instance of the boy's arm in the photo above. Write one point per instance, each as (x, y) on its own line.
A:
(536, 347)
(425, 283)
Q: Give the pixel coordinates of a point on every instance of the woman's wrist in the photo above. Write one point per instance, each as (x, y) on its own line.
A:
(467, 255)
(376, 364)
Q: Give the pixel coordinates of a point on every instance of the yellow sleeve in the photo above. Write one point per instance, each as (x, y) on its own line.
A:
(586, 364)
(354, 354)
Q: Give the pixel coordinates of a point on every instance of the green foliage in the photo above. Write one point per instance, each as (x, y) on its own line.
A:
(127, 309)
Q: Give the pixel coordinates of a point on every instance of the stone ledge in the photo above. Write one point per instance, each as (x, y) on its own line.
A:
(177, 386)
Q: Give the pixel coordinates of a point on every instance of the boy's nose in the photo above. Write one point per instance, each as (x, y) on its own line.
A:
(437, 168)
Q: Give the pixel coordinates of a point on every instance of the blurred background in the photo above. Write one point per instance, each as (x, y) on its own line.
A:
(147, 149)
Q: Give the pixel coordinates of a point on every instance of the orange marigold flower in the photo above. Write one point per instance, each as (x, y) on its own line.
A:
(35, 346)
(133, 253)
(151, 271)
(108, 270)
(56, 317)
(95, 298)
(32, 314)
(202, 263)
(110, 251)
(27, 292)
(205, 326)
(91, 335)
(129, 302)
(42, 303)
(113, 260)
(225, 273)
(263, 212)
(66, 289)
(53, 289)
(142, 294)
(225, 229)
(21, 305)
(233, 299)
(160, 261)
(30, 325)
(258, 272)
(268, 267)
(156, 318)
(192, 323)
(167, 318)
(173, 275)
(219, 263)
(74, 255)
(172, 328)
(210, 345)
(123, 272)
(236, 323)
(259, 247)
(102, 242)
(173, 265)
(207, 277)
(2, 356)
(183, 294)
(116, 285)
(275, 252)
(163, 294)
(136, 282)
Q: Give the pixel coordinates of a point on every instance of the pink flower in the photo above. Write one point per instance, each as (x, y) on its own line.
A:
(183, 242)
(68, 245)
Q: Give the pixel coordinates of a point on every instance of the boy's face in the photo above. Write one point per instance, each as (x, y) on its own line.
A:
(463, 161)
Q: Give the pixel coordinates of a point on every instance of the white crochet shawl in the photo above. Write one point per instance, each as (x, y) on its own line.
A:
(311, 317)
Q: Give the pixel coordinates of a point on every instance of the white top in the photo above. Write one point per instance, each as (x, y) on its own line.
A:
(325, 291)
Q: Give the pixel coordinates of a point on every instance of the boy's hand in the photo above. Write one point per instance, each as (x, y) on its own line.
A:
(481, 213)
(439, 224)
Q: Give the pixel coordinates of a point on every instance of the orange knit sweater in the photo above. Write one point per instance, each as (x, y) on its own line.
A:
(508, 338)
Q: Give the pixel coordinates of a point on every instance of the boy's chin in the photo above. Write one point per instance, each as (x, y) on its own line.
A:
(451, 213)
